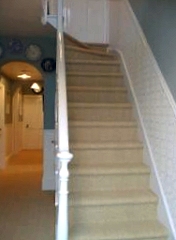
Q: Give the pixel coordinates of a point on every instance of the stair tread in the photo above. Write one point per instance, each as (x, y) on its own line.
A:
(106, 169)
(131, 230)
(105, 89)
(103, 74)
(135, 196)
(100, 105)
(90, 51)
(94, 61)
(102, 124)
(106, 145)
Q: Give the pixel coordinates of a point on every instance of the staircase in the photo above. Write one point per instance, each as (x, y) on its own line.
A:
(109, 195)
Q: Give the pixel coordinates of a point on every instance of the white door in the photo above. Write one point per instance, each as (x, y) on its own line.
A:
(2, 127)
(32, 122)
(97, 21)
(86, 20)
(76, 18)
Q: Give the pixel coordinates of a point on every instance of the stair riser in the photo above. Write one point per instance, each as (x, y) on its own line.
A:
(100, 114)
(95, 81)
(101, 213)
(108, 182)
(98, 156)
(103, 134)
(103, 68)
(74, 54)
(97, 96)
(113, 238)
(99, 48)
(154, 238)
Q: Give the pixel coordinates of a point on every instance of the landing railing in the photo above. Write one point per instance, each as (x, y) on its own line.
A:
(63, 156)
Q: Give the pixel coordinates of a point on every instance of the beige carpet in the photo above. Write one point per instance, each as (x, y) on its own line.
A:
(26, 213)
(109, 195)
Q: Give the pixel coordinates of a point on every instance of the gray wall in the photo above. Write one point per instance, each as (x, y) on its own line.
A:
(158, 21)
(48, 46)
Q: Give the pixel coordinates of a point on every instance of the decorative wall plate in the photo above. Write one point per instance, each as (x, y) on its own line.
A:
(15, 46)
(33, 52)
(48, 64)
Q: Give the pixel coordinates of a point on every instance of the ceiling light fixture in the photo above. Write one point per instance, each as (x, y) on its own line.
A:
(24, 76)
(36, 88)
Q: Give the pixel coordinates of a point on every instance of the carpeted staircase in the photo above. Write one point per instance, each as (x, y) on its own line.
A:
(109, 195)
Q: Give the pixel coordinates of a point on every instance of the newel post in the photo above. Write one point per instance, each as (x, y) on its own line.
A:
(62, 177)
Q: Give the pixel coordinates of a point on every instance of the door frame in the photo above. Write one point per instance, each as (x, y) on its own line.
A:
(2, 126)
(33, 97)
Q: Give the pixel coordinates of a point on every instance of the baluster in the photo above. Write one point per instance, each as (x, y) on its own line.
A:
(62, 209)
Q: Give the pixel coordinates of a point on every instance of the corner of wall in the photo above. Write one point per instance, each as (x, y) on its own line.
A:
(48, 178)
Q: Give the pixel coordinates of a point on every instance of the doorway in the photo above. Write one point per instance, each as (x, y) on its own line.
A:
(32, 122)
(25, 129)
(2, 126)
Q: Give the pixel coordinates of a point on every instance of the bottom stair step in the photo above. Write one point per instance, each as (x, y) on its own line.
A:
(134, 205)
(139, 230)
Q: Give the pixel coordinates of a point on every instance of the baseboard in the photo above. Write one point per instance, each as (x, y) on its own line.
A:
(155, 184)
(8, 157)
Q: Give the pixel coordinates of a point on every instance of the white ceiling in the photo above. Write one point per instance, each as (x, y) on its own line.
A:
(22, 18)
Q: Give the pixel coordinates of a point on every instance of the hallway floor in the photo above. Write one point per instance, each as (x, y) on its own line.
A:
(26, 213)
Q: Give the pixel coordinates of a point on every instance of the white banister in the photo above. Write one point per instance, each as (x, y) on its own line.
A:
(63, 156)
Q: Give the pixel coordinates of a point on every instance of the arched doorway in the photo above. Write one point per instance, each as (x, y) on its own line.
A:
(23, 110)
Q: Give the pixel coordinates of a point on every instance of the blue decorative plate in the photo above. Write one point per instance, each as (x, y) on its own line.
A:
(48, 64)
(15, 46)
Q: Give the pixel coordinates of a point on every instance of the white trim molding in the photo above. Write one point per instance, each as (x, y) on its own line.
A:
(154, 104)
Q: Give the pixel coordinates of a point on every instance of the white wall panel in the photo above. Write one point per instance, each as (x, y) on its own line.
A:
(96, 21)
(48, 181)
(86, 20)
(76, 18)
(154, 102)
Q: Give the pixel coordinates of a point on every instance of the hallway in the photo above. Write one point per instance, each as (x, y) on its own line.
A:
(26, 213)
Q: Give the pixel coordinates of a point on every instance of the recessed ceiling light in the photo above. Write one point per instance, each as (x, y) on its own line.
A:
(23, 76)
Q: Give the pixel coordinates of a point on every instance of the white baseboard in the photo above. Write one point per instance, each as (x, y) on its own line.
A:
(8, 157)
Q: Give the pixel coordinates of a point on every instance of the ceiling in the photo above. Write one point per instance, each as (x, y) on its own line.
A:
(12, 69)
(22, 18)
